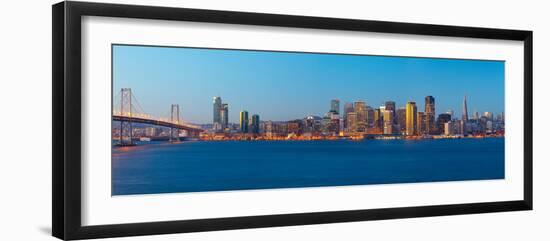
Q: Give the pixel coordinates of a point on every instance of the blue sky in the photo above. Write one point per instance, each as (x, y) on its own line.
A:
(284, 86)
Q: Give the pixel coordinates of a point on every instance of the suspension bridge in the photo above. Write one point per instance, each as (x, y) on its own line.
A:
(127, 110)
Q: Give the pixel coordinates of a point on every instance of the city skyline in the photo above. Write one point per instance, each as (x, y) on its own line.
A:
(285, 86)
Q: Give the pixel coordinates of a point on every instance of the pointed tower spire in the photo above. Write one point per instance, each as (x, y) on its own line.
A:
(464, 110)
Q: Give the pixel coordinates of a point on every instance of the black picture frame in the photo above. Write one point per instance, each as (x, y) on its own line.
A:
(66, 75)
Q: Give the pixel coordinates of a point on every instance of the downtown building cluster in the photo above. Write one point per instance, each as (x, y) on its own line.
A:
(358, 120)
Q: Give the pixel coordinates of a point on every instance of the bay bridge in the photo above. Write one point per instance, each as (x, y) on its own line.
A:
(127, 110)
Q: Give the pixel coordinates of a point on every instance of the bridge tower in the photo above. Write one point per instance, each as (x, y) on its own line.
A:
(175, 119)
(125, 135)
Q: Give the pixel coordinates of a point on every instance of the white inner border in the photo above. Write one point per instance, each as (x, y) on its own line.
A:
(98, 33)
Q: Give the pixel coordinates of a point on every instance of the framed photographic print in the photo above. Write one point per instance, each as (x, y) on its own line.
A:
(170, 120)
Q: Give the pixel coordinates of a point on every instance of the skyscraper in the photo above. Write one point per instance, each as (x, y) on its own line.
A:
(378, 124)
(388, 122)
(390, 105)
(370, 117)
(488, 115)
(217, 122)
(429, 111)
(335, 106)
(441, 120)
(464, 110)
(361, 111)
(411, 118)
(351, 118)
(255, 124)
(476, 115)
(421, 123)
(401, 116)
(243, 121)
(348, 107)
(224, 115)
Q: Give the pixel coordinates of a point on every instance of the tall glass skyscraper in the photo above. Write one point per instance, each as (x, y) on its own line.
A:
(361, 111)
(390, 105)
(243, 121)
(429, 111)
(224, 115)
(348, 107)
(255, 124)
(411, 118)
(217, 121)
(335, 106)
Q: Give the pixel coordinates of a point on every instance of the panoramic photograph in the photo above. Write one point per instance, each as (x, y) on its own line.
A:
(202, 119)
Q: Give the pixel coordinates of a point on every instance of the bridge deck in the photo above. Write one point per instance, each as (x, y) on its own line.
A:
(157, 122)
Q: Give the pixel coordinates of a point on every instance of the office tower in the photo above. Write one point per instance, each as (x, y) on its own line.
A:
(476, 115)
(464, 110)
(401, 116)
(390, 105)
(378, 124)
(255, 124)
(348, 107)
(441, 120)
(448, 128)
(489, 127)
(360, 109)
(243, 121)
(411, 118)
(388, 122)
(217, 122)
(351, 121)
(335, 106)
(429, 111)
(488, 115)
(269, 129)
(421, 123)
(224, 116)
(451, 113)
(370, 117)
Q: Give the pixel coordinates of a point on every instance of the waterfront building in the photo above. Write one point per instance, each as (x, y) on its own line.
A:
(441, 120)
(217, 121)
(294, 127)
(360, 108)
(411, 118)
(334, 126)
(421, 123)
(429, 111)
(152, 131)
(489, 127)
(401, 115)
(224, 116)
(448, 128)
(348, 107)
(255, 124)
(351, 121)
(243, 121)
(388, 122)
(464, 110)
(270, 129)
(378, 123)
(370, 117)
(390, 105)
(335, 106)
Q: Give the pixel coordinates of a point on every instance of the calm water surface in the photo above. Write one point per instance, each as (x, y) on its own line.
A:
(234, 165)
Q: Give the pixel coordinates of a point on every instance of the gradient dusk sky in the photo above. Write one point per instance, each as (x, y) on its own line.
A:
(284, 86)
